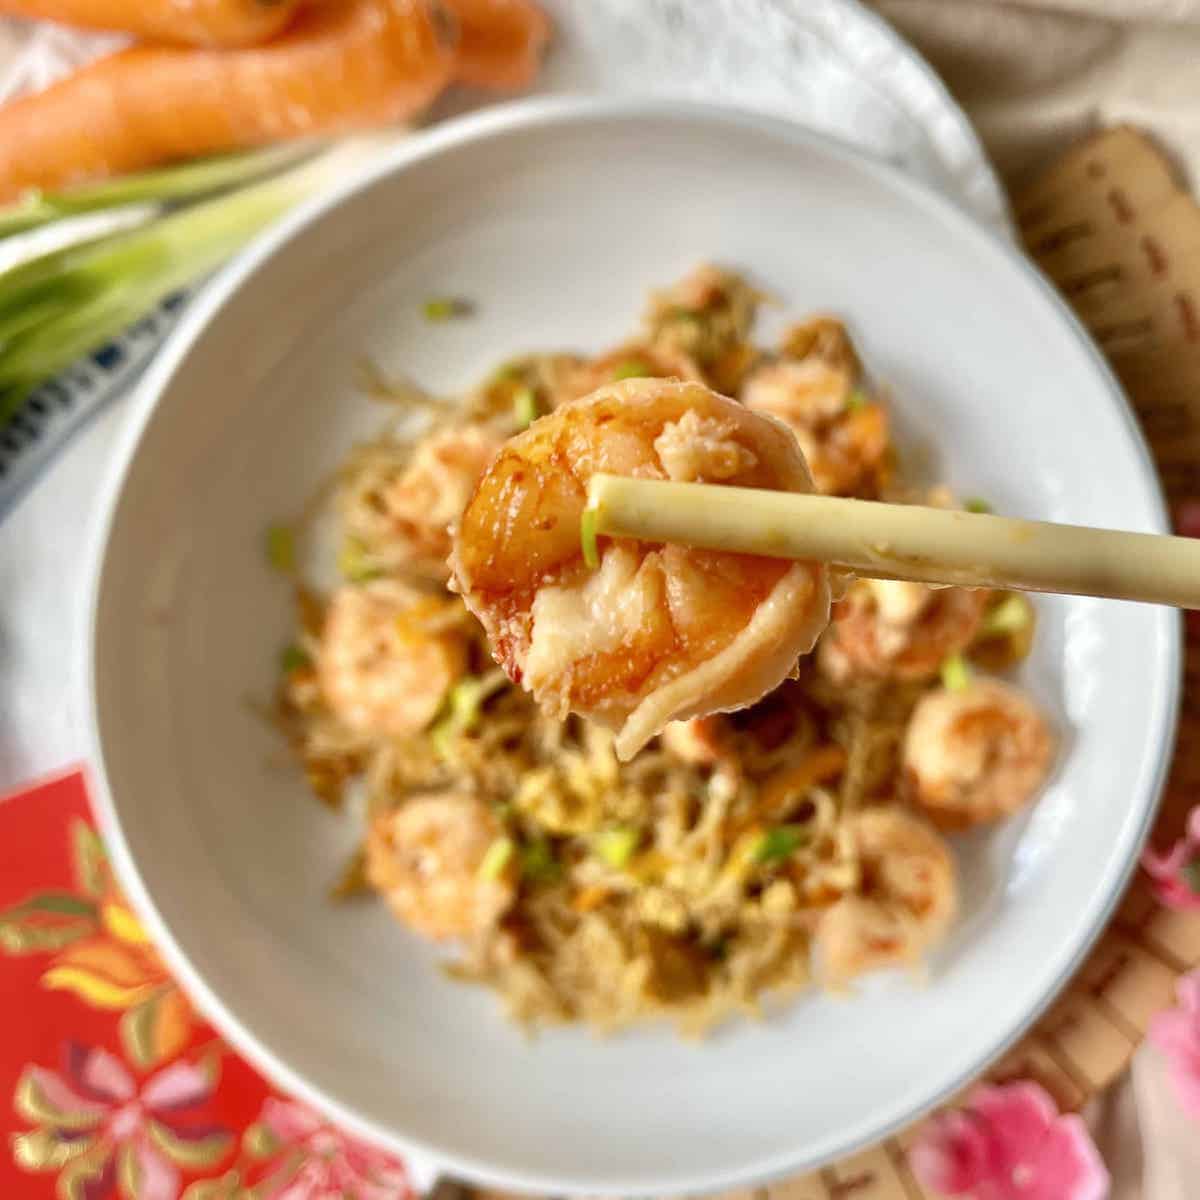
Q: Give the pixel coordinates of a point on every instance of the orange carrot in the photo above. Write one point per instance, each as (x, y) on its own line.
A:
(196, 23)
(341, 66)
(500, 42)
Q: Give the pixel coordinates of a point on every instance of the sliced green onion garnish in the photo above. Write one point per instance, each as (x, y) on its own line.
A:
(856, 400)
(468, 696)
(354, 564)
(292, 658)
(538, 863)
(445, 308)
(498, 856)
(281, 548)
(956, 675)
(525, 407)
(977, 505)
(779, 843)
(616, 846)
(587, 538)
(1011, 615)
(631, 368)
(464, 707)
(442, 736)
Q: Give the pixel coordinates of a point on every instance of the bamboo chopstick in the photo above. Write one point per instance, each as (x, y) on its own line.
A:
(902, 541)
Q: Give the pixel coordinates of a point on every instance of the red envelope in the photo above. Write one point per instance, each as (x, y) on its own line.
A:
(111, 1082)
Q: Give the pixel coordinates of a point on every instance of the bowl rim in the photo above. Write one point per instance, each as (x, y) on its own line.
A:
(427, 1161)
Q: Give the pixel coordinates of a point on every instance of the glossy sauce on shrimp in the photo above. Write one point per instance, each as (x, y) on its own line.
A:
(655, 633)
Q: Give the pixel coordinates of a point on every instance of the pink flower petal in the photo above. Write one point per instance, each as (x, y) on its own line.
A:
(1010, 1144)
(1176, 1032)
(951, 1155)
(60, 1095)
(181, 1085)
(289, 1120)
(1173, 1032)
(391, 1189)
(1018, 1114)
(309, 1183)
(99, 1073)
(1165, 866)
(157, 1177)
(1067, 1165)
(1187, 989)
(1193, 827)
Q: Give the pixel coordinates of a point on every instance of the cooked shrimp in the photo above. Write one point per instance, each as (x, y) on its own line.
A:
(886, 629)
(425, 858)
(907, 898)
(538, 381)
(406, 522)
(633, 360)
(656, 633)
(814, 388)
(386, 658)
(707, 317)
(975, 755)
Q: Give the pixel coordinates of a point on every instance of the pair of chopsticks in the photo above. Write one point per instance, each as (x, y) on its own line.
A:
(902, 541)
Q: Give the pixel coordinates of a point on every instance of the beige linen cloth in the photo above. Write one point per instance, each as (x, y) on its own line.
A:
(1035, 75)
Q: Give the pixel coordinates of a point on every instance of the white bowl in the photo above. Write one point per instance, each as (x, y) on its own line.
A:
(555, 218)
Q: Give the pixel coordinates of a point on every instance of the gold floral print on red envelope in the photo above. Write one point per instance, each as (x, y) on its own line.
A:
(116, 1087)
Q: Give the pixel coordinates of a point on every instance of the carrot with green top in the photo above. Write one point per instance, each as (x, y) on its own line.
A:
(196, 23)
(340, 66)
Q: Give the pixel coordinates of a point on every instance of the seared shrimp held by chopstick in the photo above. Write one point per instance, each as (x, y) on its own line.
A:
(642, 635)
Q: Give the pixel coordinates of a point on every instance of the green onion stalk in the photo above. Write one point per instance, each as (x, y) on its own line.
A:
(169, 185)
(58, 307)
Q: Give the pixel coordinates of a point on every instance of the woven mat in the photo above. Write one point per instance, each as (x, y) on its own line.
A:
(1113, 228)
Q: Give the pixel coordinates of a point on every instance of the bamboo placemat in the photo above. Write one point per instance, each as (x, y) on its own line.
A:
(1111, 225)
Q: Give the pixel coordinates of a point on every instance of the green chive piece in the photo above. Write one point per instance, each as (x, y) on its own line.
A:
(442, 736)
(538, 863)
(977, 505)
(281, 548)
(616, 846)
(498, 855)
(779, 843)
(956, 675)
(587, 538)
(1011, 615)
(857, 400)
(292, 658)
(355, 564)
(464, 708)
(631, 368)
(525, 407)
(1191, 875)
(445, 308)
(468, 696)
